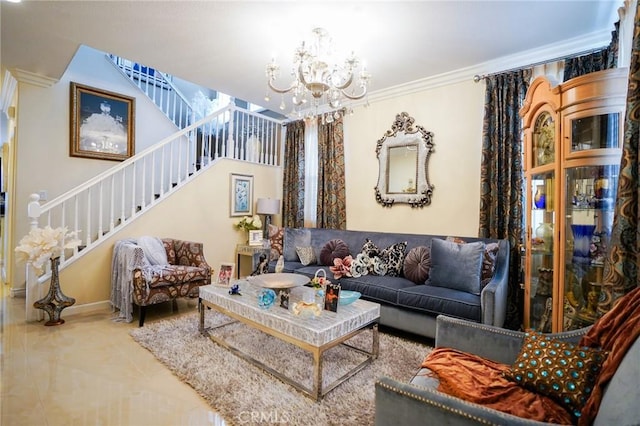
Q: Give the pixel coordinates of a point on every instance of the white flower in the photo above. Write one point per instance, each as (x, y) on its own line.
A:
(249, 223)
(42, 244)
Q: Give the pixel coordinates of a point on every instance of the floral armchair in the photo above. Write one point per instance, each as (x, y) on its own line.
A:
(137, 278)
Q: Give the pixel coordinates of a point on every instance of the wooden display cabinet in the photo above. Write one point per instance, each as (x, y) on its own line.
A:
(573, 136)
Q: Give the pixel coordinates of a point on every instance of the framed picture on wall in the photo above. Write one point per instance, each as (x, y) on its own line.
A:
(241, 195)
(102, 124)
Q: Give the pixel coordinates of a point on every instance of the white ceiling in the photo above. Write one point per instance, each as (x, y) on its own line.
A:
(225, 45)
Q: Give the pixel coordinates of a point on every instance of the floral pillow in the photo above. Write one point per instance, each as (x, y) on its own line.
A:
(276, 236)
(341, 267)
(560, 370)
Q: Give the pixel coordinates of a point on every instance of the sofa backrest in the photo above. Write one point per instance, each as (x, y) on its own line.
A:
(318, 237)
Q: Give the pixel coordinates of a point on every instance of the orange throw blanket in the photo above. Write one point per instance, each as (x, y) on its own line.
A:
(615, 332)
(479, 380)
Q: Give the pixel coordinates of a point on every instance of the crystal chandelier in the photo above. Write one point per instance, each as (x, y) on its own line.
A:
(318, 80)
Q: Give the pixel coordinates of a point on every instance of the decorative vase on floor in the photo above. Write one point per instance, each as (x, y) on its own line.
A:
(582, 235)
(55, 301)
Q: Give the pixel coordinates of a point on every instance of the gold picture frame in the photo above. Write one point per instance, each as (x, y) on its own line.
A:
(102, 124)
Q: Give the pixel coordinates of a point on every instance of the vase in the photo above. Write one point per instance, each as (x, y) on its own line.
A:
(544, 231)
(539, 198)
(55, 301)
(582, 235)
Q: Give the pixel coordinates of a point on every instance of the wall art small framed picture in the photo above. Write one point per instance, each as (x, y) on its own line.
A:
(255, 238)
(331, 297)
(241, 195)
(225, 274)
(102, 124)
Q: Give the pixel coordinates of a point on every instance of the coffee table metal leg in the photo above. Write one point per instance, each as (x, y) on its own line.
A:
(375, 349)
(201, 309)
(317, 375)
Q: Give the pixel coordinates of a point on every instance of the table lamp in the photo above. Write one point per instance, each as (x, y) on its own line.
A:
(267, 207)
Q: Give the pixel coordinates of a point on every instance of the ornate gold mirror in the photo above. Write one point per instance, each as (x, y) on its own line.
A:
(403, 155)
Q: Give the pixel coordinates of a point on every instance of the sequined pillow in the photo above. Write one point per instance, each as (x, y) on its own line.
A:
(307, 255)
(563, 371)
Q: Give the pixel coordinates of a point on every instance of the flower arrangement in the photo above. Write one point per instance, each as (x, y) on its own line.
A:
(249, 223)
(42, 244)
(318, 281)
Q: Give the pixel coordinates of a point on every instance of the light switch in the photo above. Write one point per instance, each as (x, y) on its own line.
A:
(43, 195)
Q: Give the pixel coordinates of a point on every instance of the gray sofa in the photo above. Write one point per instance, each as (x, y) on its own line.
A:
(419, 402)
(405, 305)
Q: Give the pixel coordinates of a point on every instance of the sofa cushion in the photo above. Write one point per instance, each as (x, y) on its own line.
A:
(376, 288)
(456, 266)
(561, 370)
(417, 264)
(370, 249)
(441, 300)
(307, 255)
(335, 248)
(295, 237)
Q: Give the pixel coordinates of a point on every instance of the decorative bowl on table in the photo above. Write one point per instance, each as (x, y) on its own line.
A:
(347, 297)
(279, 280)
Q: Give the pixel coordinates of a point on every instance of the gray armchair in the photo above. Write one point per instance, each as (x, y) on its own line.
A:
(419, 401)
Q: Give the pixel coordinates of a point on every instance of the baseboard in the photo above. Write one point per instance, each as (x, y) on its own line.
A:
(87, 307)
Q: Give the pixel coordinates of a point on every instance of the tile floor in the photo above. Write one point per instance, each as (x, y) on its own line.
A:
(89, 371)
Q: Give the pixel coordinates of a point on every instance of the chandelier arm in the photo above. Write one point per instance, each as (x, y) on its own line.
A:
(346, 84)
(281, 91)
(354, 97)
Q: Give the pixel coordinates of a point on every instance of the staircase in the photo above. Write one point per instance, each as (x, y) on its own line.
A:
(113, 199)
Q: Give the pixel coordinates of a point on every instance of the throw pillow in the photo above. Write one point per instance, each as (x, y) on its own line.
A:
(332, 249)
(489, 263)
(456, 266)
(276, 236)
(153, 250)
(307, 255)
(370, 249)
(393, 258)
(417, 264)
(560, 370)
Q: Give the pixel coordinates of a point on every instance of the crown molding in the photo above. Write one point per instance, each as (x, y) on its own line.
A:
(9, 84)
(549, 53)
(32, 78)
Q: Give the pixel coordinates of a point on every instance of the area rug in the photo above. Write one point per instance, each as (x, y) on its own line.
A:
(243, 394)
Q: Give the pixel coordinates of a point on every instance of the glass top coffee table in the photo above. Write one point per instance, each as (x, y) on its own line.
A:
(314, 335)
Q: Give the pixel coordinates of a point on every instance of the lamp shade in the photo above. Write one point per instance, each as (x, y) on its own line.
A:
(268, 206)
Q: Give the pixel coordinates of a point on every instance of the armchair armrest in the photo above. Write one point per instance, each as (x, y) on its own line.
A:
(400, 403)
(190, 253)
(490, 342)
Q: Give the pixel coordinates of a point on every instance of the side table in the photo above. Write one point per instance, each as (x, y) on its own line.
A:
(247, 250)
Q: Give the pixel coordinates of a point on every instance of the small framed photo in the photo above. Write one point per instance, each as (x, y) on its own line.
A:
(241, 195)
(331, 297)
(102, 124)
(225, 274)
(255, 238)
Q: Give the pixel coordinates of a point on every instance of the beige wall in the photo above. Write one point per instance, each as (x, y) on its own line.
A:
(454, 114)
(197, 212)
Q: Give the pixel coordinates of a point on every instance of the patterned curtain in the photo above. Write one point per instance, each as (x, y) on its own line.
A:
(293, 176)
(332, 205)
(621, 270)
(596, 61)
(501, 180)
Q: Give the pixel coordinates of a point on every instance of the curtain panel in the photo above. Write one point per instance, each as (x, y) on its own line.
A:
(501, 176)
(621, 269)
(293, 176)
(596, 61)
(332, 205)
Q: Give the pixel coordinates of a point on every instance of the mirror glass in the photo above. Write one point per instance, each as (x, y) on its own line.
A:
(403, 154)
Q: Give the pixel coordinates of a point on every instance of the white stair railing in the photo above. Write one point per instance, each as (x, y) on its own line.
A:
(159, 88)
(114, 198)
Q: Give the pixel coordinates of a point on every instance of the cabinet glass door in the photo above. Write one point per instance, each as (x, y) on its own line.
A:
(542, 248)
(595, 132)
(590, 203)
